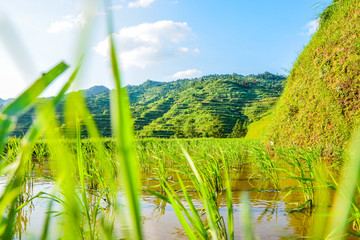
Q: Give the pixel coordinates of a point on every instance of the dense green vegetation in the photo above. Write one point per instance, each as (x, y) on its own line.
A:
(320, 104)
(203, 107)
(208, 106)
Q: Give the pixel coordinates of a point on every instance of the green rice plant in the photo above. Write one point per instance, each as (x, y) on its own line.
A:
(10, 152)
(40, 151)
(17, 170)
(246, 218)
(267, 165)
(65, 169)
(322, 196)
(189, 217)
(72, 173)
(80, 161)
(205, 172)
(161, 172)
(215, 221)
(99, 167)
(355, 213)
(301, 165)
(344, 200)
(123, 132)
(65, 173)
(27, 99)
(229, 202)
(211, 171)
(45, 232)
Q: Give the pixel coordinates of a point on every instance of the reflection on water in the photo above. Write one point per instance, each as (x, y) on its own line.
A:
(269, 210)
(269, 216)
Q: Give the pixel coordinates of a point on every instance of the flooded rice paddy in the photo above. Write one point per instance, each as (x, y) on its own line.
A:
(270, 209)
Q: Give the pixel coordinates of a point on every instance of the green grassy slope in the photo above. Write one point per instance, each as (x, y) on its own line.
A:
(204, 104)
(320, 105)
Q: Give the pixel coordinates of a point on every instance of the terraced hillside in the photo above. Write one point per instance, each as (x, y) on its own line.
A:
(203, 107)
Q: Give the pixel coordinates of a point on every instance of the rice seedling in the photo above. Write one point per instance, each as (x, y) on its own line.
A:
(248, 231)
(338, 220)
(40, 151)
(16, 171)
(191, 219)
(267, 165)
(121, 121)
(229, 203)
(301, 166)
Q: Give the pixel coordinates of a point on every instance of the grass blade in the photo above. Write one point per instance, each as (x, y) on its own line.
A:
(25, 101)
(123, 131)
(249, 234)
(345, 193)
(229, 203)
(206, 198)
(45, 232)
(28, 98)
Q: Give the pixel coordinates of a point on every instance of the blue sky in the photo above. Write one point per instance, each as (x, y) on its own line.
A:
(161, 40)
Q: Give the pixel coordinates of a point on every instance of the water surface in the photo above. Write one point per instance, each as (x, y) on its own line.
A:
(269, 208)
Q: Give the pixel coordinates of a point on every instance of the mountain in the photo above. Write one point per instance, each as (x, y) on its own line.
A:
(320, 106)
(208, 106)
(95, 91)
(162, 109)
(4, 101)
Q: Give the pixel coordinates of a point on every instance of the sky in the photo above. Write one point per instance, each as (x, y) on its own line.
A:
(161, 40)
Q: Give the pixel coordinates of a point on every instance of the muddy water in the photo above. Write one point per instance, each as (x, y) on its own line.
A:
(269, 216)
(269, 209)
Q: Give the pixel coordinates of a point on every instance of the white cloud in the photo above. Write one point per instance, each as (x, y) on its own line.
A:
(102, 47)
(139, 57)
(312, 27)
(196, 51)
(140, 3)
(115, 7)
(190, 73)
(68, 23)
(11, 83)
(183, 49)
(147, 43)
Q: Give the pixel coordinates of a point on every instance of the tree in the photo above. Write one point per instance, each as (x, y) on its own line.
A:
(179, 133)
(239, 130)
(191, 129)
(217, 129)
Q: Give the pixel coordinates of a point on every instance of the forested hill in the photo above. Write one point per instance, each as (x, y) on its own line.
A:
(202, 107)
(208, 106)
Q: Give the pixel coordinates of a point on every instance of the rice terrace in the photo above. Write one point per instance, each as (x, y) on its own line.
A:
(224, 144)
